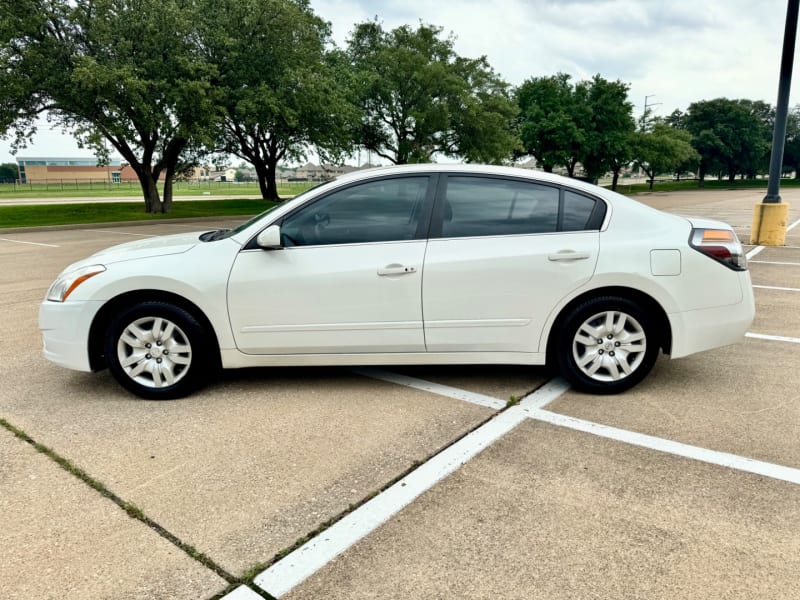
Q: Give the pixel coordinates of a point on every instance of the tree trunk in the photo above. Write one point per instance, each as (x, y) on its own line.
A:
(732, 177)
(152, 201)
(266, 180)
(547, 168)
(272, 184)
(614, 179)
(701, 175)
(166, 205)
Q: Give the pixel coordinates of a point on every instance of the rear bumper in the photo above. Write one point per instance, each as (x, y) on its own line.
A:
(698, 330)
(65, 332)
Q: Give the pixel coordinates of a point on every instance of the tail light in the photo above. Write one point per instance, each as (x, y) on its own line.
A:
(720, 244)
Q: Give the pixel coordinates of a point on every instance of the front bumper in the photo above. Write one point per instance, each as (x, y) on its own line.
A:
(65, 332)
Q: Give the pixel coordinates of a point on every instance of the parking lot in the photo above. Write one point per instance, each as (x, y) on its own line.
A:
(435, 482)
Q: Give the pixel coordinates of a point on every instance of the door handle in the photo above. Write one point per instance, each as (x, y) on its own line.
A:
(568, 255)
(396, 269)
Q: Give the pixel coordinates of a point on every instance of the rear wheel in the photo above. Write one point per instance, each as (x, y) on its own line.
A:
(607, 345)
(157, 351)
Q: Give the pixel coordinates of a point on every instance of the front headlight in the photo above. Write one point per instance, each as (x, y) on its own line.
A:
(69, 280)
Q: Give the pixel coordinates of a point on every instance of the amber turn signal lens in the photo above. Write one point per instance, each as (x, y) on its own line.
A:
(717, 235)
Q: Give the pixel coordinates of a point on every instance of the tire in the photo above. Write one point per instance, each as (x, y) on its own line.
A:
(606, 345)
(156, 350)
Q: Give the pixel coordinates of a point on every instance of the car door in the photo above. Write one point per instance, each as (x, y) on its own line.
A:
(503, 252)
(347, 279)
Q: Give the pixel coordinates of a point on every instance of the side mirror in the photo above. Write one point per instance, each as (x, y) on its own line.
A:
(270, 238)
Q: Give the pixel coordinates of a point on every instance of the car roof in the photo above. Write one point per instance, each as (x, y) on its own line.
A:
(472, 169)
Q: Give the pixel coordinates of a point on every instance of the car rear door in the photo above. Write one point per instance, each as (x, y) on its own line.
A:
(503, 252)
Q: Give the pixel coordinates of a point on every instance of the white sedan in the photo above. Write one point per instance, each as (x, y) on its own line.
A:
(422, 264)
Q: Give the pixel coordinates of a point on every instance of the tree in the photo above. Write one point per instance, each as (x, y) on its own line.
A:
(727, 134)
(420, 98)
(126, 72)
(608, 145)
(553, 121)
(791, 150)
(8, 172)
(662, 149)
(278, 89)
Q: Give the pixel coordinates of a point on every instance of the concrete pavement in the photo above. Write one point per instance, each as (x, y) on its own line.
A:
(262, 458)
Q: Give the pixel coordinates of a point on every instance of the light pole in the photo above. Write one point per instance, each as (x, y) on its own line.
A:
(770, 217)
(646, 106)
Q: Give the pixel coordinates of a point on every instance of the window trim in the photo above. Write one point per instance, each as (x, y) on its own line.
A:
(423, 226)
(594, 223)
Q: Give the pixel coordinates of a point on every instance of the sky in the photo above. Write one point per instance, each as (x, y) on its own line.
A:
(673, 52)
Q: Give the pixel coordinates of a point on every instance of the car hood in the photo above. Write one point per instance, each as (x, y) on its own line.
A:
(155, 246)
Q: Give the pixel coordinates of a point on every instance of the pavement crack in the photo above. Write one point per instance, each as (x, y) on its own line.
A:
(130, 508)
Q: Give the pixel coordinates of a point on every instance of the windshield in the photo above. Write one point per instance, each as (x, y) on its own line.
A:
(222, 234)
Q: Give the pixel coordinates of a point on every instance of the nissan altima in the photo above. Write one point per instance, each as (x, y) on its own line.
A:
(423, 264)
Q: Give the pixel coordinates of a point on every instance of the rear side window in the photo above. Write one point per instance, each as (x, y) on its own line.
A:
(486, 206)
(476, 206)
(577, 212)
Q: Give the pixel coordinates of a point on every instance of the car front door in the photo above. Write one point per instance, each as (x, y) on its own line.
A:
(502, 253)
(348, 278)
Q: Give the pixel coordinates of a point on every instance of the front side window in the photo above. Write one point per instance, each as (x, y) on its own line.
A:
(376, 211)
(476, 206)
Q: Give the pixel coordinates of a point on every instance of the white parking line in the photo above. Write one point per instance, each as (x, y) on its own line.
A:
(242, 593)
(733, 461)
(31, 243)
(296, 567)
(773, 338)
(119, 232)
(434, 388)
(774, 262)
(774, 287)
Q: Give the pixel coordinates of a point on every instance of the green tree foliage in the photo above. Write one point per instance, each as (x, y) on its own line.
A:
(553, 121)
(791, 150)
(125, 72)
(420, 98)
(563, 124)
(729, 136)
(8, 172)
(608, 144)
(662, 149)
(278, 92)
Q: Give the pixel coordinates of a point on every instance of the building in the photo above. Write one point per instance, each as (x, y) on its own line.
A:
(70, 169)
(312, 172)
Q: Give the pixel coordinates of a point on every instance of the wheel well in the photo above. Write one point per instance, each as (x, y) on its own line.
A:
(646, 302)
(97, 359)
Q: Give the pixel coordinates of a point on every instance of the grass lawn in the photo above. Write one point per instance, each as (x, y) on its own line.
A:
(108, 212)
(691, 184)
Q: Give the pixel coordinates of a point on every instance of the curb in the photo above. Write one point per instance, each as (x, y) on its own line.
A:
(71, 226)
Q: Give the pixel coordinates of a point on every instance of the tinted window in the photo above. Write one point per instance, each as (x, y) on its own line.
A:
(378, 211)
(577, 210)
(477, 206)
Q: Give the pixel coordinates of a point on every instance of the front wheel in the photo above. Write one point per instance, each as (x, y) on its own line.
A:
(157, 351)
(607, 345)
